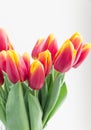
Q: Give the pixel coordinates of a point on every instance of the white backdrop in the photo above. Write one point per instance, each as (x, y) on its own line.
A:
(27, 20)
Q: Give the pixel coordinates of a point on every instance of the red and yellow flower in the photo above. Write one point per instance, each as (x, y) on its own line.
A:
(71, 54)
(49, 44)
(15, 67)
(86, 48)
(64, 57)
(4, 41)
(46, 60)
(39, 47)
(36, 75)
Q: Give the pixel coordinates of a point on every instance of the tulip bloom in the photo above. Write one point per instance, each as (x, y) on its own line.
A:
(38, 48)
(64, 57)
(1, 78)
(37, 75)
(76, 40)
(15, 67)
(82, 50)
(46, 60)
(85, 50)
(4, 41)
(49, 44)
(71, 54)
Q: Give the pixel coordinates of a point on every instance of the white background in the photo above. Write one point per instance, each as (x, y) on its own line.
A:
(27, 20)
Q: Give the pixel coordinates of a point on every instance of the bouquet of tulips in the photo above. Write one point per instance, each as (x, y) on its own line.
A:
(31, 92)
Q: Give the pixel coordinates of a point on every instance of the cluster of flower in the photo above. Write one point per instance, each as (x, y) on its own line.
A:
(45, 54)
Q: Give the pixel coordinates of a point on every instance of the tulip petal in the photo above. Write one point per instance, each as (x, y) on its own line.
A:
(3, 60)
(51, 45)
(11, 46)
(4, 40)
(11, 68)
(76, 39)
(85, 51)
(78, 53)
(64, 58)
(46, 60)
(49, 40)
(22, 69)
(37, 75)
(38, 48)
(26, 59)
(16, 68)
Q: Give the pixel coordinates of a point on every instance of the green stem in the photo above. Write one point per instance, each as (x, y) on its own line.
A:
(35, 93)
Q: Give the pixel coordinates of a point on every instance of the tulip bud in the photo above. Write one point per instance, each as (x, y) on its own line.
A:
(38, 48)
(42, 45)
(4, 41)
(51, 45)
(84, 52)
(37, 75)
(23, 72)
(76, 40)
(64, 57)
(46, 60)
(15, 67)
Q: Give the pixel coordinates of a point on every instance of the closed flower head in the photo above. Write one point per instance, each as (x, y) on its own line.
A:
(37, 75)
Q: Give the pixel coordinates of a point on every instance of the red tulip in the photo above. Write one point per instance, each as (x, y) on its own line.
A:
(64, 57)
(84, 52)
(1, 78)
(76, 40)
(37, 75)
(51, 45)
(81, 50)
(46, 60)
(15, 67)
(38, 48)
(71, 54)
(4, 41)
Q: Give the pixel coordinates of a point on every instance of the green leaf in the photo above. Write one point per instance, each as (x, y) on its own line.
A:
(52, 97)
(35, 113)
(49, 80)
(2, 113)
(26, 87)
(2, 106)
(7, 85)
(61, 97)
(43, 93)
(16, 114)
(2, 93)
